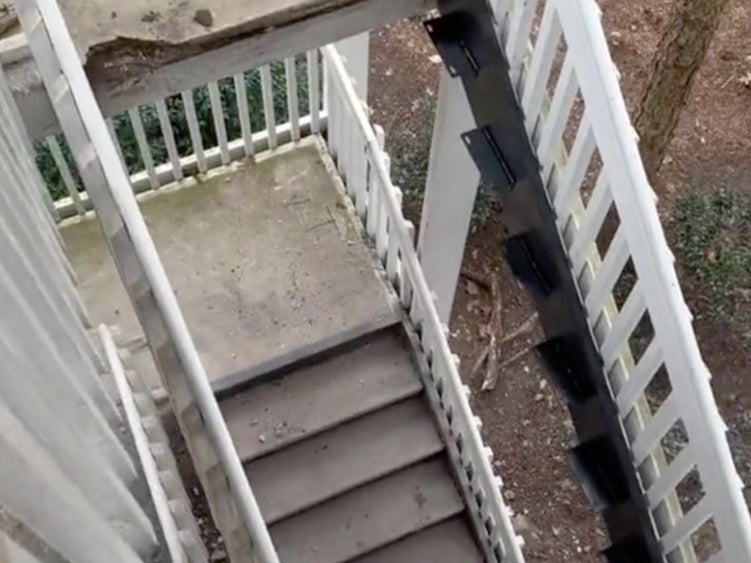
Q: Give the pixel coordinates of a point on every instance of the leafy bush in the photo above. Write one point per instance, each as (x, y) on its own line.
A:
(411, 156)
(410, 153)
(710, 233)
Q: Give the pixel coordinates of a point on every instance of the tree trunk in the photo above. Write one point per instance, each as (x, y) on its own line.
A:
(679, 55)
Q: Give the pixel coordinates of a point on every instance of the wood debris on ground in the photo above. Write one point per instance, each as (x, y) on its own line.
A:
(492, 355)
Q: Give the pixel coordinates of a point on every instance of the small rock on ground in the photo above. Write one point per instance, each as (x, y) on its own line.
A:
(204, 17)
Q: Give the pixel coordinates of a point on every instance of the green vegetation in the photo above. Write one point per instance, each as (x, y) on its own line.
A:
(711, 233)
(410, 153)
(175, 109)
(410, 157)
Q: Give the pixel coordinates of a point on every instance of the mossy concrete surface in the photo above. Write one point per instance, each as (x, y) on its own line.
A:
(264, 261)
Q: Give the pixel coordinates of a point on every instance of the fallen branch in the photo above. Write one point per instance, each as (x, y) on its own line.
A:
(489, 385)
(479, 362)
(496, 330)
(479, 279)
(524, 328)
(515, 357)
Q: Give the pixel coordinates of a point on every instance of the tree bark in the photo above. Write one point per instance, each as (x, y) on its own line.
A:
(679, 55)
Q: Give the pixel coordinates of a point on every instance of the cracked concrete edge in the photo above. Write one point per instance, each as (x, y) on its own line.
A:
(127, 69)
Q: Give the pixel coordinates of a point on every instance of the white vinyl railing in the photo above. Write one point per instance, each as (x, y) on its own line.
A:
(182, 537)
(232, 502)
(568, 88)
(176, 142)
(363, 165)
(64, 465)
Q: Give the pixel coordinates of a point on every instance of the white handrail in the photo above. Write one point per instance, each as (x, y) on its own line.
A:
(605, 127)
(425, 307)
(150, 470)
(127, 208)
(654, 263)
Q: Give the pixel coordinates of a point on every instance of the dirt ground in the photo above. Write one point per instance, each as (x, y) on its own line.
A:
(524, 422)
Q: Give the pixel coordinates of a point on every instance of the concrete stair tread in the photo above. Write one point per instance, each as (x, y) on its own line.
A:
(343, 458)
(316, 397)
(450, 541)
(371, 516)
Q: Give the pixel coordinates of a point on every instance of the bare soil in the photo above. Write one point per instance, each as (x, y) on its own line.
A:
(524, 422)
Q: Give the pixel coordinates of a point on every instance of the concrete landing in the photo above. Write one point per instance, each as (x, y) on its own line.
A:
(267, 264)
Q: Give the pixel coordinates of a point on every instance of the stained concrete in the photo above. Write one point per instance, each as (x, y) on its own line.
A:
(265, 261)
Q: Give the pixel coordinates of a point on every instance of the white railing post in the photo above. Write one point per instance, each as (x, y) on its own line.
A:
(217, 112)
(393, 265)
(113, 133)
(169, 140)
(314, 95)
(653, 263)
(373, 205)
(605, 151)
(179, 526)
(293, 110)
(381, 219)
(67, 177)
(520, 23)
(194, 129)
(450, 193)
(243, 111)
(267, 93)
(355, 54)
(144, 150)
(351, 157)
(445, 389)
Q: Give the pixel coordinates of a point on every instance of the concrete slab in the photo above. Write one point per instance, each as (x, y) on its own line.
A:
(265, 261)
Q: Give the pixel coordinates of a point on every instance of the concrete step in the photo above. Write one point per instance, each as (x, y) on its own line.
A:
(371, 516)
(317, 397)
(343, 458)
(451, 541)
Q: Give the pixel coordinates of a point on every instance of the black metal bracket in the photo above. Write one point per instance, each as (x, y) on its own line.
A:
(466, 38)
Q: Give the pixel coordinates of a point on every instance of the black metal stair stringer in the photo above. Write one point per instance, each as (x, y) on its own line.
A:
(466, 39)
